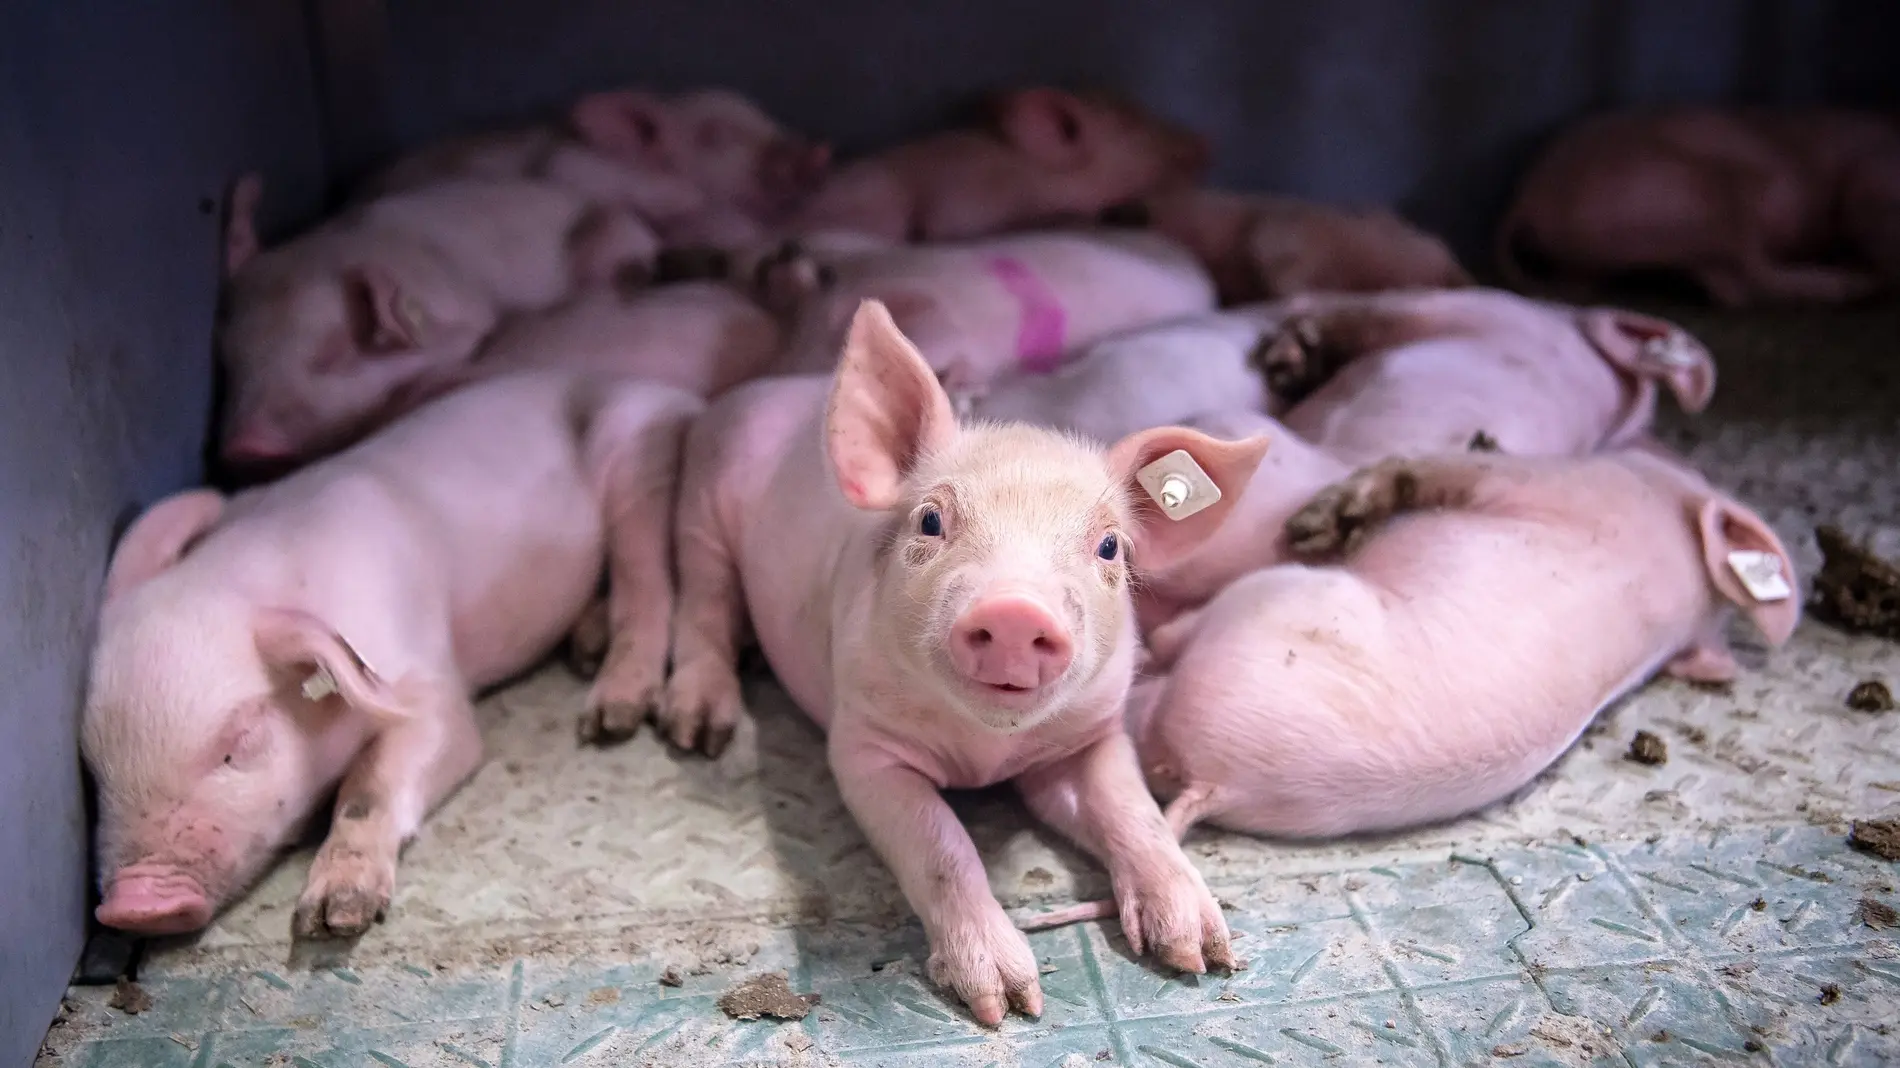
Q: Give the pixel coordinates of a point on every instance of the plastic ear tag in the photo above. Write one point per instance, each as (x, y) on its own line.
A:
(319, 685)
(1178, 485)
(1761, 574)
(1670, 350)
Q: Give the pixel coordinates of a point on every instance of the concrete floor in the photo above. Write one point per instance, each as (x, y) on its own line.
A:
(1703, 910)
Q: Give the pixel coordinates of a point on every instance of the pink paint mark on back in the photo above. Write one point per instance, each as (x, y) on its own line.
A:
(1041, 338)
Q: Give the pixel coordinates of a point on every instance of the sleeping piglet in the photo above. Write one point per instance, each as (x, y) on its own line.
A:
(1408, 683)
(673, 159)
(701, 337)
(1047, 154)
(951, 603)
(976, 309)
(322, 331)
(1262, 247)
(255, 651)
(1428, 371)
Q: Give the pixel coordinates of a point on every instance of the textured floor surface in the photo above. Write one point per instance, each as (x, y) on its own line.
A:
(1703, 910)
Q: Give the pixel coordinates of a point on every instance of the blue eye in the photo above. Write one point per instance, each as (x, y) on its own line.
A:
(931, 526)
(1109, 547)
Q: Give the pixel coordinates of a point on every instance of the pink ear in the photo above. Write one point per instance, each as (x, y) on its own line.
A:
(626, 124)
(1047, 125)
(887, 411)
(1652, 348)
(383, 319)
(1161, 541)
(1728, 527)
(156, 539)
(315, 658)
(240, 222)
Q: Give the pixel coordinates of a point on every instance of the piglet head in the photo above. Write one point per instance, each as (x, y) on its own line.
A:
(316, 357)
(1004, 576)
(730, 148)
(207, 739)
(1096, 149)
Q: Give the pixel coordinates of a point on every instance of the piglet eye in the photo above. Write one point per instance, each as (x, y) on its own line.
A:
(1109, 548)
(931, 525)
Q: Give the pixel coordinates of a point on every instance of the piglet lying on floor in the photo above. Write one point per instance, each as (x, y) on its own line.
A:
(952, 605)
(322, 331)
(254, 651)
(977, 309)
(1495, 606)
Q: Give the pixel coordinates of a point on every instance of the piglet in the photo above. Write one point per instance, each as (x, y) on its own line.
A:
(1754, 206)
(700, 337)
(1495, 605)
(979, 308)
(323, 331)
(1044, 154)
(1149, 376)
(676, 160)
(255, 651)
(951, 603)
(1262, 247)
(1430, 371)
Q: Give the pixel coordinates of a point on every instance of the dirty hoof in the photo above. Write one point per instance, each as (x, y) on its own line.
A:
(343, 898)
(1340, 516)
(606, 722)
(700, 709)
(1289, 359)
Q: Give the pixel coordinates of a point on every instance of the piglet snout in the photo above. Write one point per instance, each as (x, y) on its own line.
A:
(1010, 642)
(154, 901)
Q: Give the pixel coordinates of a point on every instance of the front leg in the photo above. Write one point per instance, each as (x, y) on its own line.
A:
(1097, 798)
(407, 769)
(975, 950)
(633, 453)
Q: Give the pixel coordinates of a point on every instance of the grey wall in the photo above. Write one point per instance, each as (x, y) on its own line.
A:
(1429, 103)
(117, 130)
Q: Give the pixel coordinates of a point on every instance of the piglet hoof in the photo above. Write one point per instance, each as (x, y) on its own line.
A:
(783, 279)
(345, 895)
(989, 966)
(701, 708)
(1340, 516)
(1170, 915)
(1288, 359)
(587, 643)
(614, 716)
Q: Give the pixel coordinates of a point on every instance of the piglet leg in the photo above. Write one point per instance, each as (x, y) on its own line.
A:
(703, 701)
(407, 769)
(633, 451)
(1097, 798)
(1340, 516)
(975, 950)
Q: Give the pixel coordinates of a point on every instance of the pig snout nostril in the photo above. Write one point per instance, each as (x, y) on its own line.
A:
(1043, 645)
(981, 637)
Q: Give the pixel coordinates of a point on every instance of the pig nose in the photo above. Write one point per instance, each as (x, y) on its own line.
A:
(155, 904)
(1010, 642)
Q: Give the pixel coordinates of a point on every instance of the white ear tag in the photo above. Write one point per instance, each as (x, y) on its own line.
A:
(319, 685)
(1670, 350)
(1178, 485)
(1761, 573)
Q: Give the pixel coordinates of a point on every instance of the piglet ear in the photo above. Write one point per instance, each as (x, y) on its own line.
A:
(385, 319)
(625, 124)
(887, 411)
(1046, 124)
(1161, 538)
(1653, 349)
(158, 538)
(241, 243)
(1750, 566)
(306, 652)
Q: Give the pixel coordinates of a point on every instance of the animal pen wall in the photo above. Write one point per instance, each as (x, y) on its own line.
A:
(123, 124)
